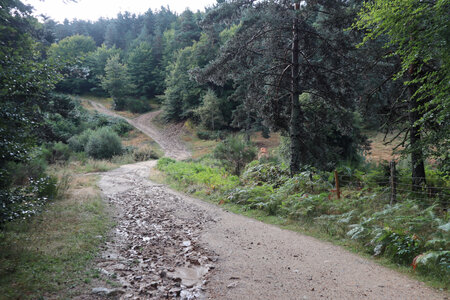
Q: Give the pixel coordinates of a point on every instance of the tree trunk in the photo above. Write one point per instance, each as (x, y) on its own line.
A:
(417, 163)
(296, 130)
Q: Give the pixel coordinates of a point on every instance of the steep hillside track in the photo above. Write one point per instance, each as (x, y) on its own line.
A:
(169, 245)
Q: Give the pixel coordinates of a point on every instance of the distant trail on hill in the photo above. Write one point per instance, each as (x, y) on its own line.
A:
(169, 245)
(168, 139)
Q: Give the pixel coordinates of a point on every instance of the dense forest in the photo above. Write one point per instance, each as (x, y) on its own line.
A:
(319, 73)
(238, 65)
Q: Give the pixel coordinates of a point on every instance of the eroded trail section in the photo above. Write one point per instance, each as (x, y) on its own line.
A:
(167, 139)
(154, 251)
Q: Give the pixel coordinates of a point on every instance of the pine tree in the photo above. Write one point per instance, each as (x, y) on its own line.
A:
(117, 81)
(278, 53)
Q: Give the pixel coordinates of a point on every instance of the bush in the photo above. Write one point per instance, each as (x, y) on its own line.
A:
(164, 162)
(145, 153)
(120, 126)
(103, 144)
(273, 174)
(54, 152)
(26, 201)
(210, 135)
(190, 174)
(20, 173)
(78, 142)
(252, 197)
(235, 153)
(60, 152)
(205, 135)
(61, 128)
(138, 106)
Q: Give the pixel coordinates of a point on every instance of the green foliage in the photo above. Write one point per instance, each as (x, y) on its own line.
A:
(56, 152)
(103, 144)
(435, 262)
(210, 112)
(119, 125)
(96, 61)
(192, 175)
(250, 197)
(62, 128)
(418, 33)
(137, 106)
(145, 153)
(182, 95)
(235, 153)
(144, 70)
(269, 173)
(23, 202)
(78, 142)
(329, 140)
(210, 135)
(117, 81)
(72, 50)
(401, 247)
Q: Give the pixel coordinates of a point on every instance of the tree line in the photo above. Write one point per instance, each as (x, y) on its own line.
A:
(317, 71)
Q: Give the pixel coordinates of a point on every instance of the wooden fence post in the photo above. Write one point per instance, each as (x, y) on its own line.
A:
(393, 181)
(336, 179)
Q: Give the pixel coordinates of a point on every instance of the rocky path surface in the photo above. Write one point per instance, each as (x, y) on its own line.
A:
(169, 245)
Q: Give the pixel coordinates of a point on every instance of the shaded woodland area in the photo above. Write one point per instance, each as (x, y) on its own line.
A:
(319, 73)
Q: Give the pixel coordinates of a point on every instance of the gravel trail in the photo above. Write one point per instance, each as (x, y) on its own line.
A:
(167, 139)
(169, 245)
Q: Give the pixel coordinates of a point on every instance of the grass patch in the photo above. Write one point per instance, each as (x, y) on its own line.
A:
(106, 102)
(50, 253)
(137, 139)
(379, 151)
(199, 147)
(270, 143)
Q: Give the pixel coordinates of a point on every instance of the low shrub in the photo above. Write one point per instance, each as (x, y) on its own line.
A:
(210, 135)
(25, 201)
(145, 153)
(137, 105)
(20, 173)
(192, 173)
(78, 142)
(256, 173)
(103, 144)
(60, 152)
(164, 162)
(205, 135)
(61, 128)
(251, 197)
(235, 153)
(120, 126)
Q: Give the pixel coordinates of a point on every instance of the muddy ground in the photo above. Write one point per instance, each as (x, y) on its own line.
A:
(169, 245)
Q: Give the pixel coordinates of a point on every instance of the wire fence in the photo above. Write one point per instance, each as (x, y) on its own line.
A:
(396, 188)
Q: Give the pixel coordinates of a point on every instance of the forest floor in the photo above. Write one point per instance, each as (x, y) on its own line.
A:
(166, 244)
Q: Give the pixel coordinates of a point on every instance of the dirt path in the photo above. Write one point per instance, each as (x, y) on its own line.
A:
(168, 245)
(167, 139)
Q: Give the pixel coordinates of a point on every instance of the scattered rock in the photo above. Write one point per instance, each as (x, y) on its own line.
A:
(151, 252)
(232, 285)
(106, 292)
